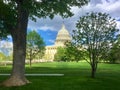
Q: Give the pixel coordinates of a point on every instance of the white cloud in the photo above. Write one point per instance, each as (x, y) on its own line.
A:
(51, 41)
(37, 0)
(118, 25)
(9, 36)
(46, 28)
(111, 7)
(6, 44)
(46, 24)
(6, 47)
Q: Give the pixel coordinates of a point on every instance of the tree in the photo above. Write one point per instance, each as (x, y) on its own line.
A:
(68, 53)
(72, 51)
(114, 52)
(35, 45)
(15, 23)
(2, 56)
(60, 55)
(95, 33)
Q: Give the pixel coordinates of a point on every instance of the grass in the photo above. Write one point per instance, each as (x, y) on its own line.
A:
(76, 77)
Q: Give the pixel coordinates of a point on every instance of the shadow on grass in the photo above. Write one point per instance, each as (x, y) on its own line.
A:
(76, 77)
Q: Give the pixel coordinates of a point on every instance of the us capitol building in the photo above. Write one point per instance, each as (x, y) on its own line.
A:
(62, 37)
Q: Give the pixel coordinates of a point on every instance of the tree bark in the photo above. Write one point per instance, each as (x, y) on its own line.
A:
(17, 77)
(93, 69)
(30, 58)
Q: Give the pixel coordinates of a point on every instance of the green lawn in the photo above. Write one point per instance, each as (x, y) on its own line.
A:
(76, 77)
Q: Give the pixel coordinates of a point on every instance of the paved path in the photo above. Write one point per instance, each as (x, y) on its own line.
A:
(35, 74)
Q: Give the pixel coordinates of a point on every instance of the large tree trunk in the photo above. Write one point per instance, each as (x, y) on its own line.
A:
(17, 77)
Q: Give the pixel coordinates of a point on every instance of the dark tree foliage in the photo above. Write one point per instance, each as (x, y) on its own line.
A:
(113, 56)
(69, 53)
(73, 52)
(60, 54)
(7, 18)
(14, 15)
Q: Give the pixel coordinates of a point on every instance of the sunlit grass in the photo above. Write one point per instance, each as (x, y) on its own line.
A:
(76, 77)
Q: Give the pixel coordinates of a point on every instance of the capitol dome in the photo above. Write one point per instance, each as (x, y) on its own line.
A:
(62, 36)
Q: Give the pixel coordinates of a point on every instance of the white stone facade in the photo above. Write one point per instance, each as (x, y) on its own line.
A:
(62, 37)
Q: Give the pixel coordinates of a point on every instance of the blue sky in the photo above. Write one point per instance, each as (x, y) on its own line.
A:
(48, 36)
(48, 28)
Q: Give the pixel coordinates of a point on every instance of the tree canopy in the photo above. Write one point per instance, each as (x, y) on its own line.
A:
(35, 8)
(113, 55)
(60, 54)
(15, 23)
(95, 34)
(73, 52)
(35, 45)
